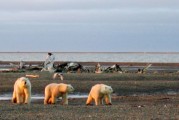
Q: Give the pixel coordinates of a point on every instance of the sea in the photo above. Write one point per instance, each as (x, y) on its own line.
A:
(147, 57)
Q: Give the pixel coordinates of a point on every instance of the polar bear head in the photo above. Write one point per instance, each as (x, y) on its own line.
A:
(105, 89)
(70, 88)
(24, 82)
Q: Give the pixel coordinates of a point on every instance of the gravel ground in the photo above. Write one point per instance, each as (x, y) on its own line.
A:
(137, 97)
(123, 108)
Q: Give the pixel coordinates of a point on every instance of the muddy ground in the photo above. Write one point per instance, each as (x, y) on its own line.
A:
(136, 97)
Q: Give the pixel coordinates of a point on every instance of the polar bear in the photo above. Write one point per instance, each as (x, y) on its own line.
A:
(22, 91)
(54, 91)
(98, 93)
(56, 75)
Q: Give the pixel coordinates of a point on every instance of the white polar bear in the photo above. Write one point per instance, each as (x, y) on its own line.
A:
(56, 75)
(22, 91)
(98, 93)
(54, 91)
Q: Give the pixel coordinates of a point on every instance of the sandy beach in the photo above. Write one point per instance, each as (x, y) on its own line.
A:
(150, 96)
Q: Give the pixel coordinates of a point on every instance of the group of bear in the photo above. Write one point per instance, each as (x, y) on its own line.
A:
(22, 93)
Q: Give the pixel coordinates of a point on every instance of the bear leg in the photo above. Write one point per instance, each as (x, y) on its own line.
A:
(19, 98)
(64, 99)
(97, 101)
(53, 100)
(49, 101)
(108, 99)
(46, 100)
(89, 100)
(101, 101)
(14, 98)
(27, 97)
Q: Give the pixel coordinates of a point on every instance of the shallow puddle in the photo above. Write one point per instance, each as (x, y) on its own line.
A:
(39, 96)
(8, 96)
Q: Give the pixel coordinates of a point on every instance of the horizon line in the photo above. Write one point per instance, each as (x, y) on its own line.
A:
(91, 52)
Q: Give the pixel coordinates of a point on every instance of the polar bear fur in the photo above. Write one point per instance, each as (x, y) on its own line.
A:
(22, 91)
(98, 93)
(56, 75)
(54, 91)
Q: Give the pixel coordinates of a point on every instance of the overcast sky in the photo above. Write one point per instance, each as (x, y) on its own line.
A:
(89, 25)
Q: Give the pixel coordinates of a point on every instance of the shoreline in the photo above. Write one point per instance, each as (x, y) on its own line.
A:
(114, 57)
(12, 66)
(94, 63)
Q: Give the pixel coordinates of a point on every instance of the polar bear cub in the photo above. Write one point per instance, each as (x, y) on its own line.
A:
(98, 93)
(54, 91)
(22, 91)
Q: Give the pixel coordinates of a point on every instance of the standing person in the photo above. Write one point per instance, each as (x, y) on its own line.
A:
(49, 61)
(21, 64)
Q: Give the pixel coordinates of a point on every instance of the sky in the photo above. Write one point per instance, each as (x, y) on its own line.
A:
(89, 25)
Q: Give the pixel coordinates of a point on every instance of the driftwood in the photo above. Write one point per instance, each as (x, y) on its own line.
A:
(70, 67)
(113, 68)
(144, 70)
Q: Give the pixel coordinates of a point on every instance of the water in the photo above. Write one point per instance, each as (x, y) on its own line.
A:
(40, 97)
(8, 96)
(94, 57)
